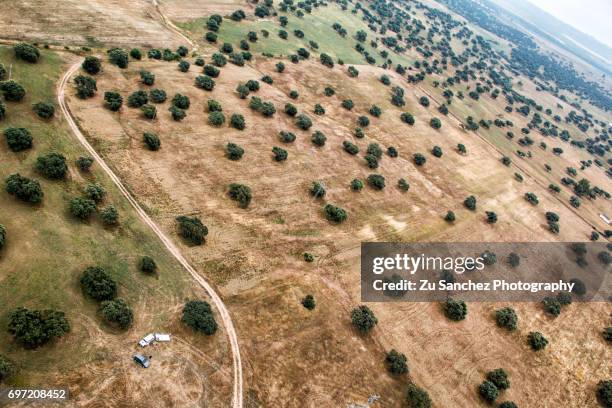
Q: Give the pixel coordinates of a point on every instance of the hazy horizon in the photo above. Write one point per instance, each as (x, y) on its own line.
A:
(589, 16)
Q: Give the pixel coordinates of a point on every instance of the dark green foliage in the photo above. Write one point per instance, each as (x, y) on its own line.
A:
(290, 109)
(280, 67)
(348, 104)
(219, 60)
(309, 302)
(303, 122)
(95, 191)
(148, 265)
(18, 139)
(98, 284)
(243, 91)
(198, 315)
(318, 138)
(376, 181)
(216, 119)
(417, 397)
(7, 368)
(419, 159)
(488, 391)
(109, 215)
(286, 137)
(499, 378)
(2, 110)
(118, 57)
(396, 362)
(564, 298)
(319, 110)
(113, 100)
(424, 101)
(532, 198)
(353, 72)
(147, 78)
(607, 334)
(233, 151)
(253, 85)
(308, 257)
(363, 319)
(455, 309)
(450, 216)
(211, 70)
(151, 140)
(334, 213)
(507, 404)
(506, 161)
(52, 165)
(403, 185)
(537, 341)
(392, 152)
(86, 86)
(91, 65)
(604, 393)
(182, 51)
(317, 190)
(205, 82)
(437, 151)
(329, 91)
(279, 154)
(117, 312)
(35, 328)
(579, 287)
(12, 91)
(488, 257)
(470, 203)
(375, 150)
(154, 53)
(199, 62)
(461, 148)
(136, 54)
(241, 194)
(356, 185)
(177, 114)
(181, 101)
(149, 111)
(551, 306)
(267, 79)
(23, 188)
(363, 121)
(2, 238)
(491, 217)
(27, 52)
(407, 118)
(506, 318)
(375, 111)
(237, 121)
(211, 37)
(385, 80)
(371, 161)
(157, 95)
(82, 208)
(3, 72)
(137, 99)
(435, 123)
(192, 229)
(84, 163)
(575, 201)
(326, 60)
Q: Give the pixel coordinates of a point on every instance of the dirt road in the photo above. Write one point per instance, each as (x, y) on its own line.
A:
(237, 396)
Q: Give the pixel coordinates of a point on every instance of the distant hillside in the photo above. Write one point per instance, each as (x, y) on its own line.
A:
(561, 34)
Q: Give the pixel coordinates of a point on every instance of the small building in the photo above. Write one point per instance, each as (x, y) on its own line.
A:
(146, 340)
(142, 360)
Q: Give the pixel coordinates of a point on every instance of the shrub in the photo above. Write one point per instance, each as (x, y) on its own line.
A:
(148, 265)
(290, 109)
(564, 298)
(35, 328)
(27, 52)
(183, 66)
(348, 104)
(218, 60)
(2, 72)
(537, 341)
(303, 122)
(280, 67)
(147, 78)
(532, 198)
(118, 57)
(267, 79)
(233, 151)
(376, 181)
(308, 257)
(177, 114)
(604, 393)
(363, 121)
(488, 391)
(240, 193)
(335, 214)
(44, 110)
(23, 188)
(154, 53)
(392, 152)
(267, 109)
(98, 284)
(461, 149)
(455, 309)
(403, 185)
(52, 165)
(551, 306)
(396, 362)
(375, 150)
(319, 110)
(95, 191)
(243, 91)
(199, 62)
(86, 86)
(318, 138)
(508, 404)
(329, 91)
(237, 121)
(359, 134)
(375, 111)
(491, 217)
(286, 137)
(149, 111)
(326, 60)
(136, 54)
(198, 315)
(435, 123)
(279, 154)
(506, 161)
(82, 208)
(363, 319)
(309, 302)
(91, 65)
(7, 368)
(356, 185)
(2, 236)
(419, 159)
(407, 118)
(350, 147)
(371, 161)
(211, 37)
(205, 82)
(317, 190)
(113, 100)
(437, 151)
(506, 318)
(470, 203)
(450, 216)
(109, 215)
(18, 139)
(12, 91)
(499, 378)
(253, 85)
(181, 101)
(216, 119)
(2, 110)
(192, 229)
(137, 99)
(417, 397)
(151, 140)
(117, 312)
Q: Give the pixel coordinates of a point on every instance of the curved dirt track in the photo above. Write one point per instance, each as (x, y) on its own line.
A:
(237, 395)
